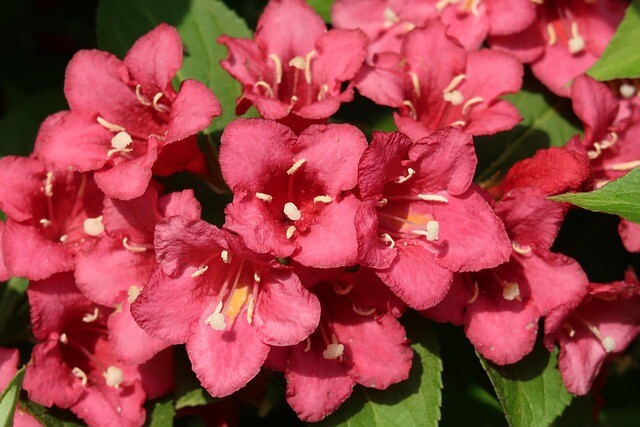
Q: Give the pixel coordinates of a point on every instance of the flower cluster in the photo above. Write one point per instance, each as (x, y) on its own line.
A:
(329, 237)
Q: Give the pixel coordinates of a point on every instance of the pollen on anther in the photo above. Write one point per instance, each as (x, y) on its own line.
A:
(45, 222)
(402, 179)
(433, 198)
(226, 256)
(361, 312)
(113, 376)
(63, 338)
(250, 308)
(291, 211)
(91, 317)
(216, 319)
(256, 277)
(297, 62)
(522, 250)
(608, 344)
(265, 197)
(510, 291)
(333, 351)
(296, 166)
(322, 199)
(133, 293)
(132, 248)
(93, 226)
(627, 90)
(290, 231)
(200, 271)
(48, 185)
(433, 230)
(388, 240)
(79, 373)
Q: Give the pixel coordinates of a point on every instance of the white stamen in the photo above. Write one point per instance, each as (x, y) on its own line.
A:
(278, 64)
(266, 87)
(433, 198)
(120, 142)
(576, 43)
(256, 277)
(510, 291)
(595, 154)
(522, 250)
(601, 183)
(476, 292)
(412, 109)
(388, 240)
(454, 97)
(93, 226)
(114, 376)
(333, 351)
(216, 320)
(91, 317)
(342, 291)
(624, 166)
(444, 3)
(200, 271)
(307, 66)
(322, 199)
(296, 166)
(110, 126)
(266, 197)
(432, 231)
(362, 312)
(79, 373)
(250, 307)
(297, 62)
(415, 82)
(454, 83)
(226, 256)
(322, 93)
(308, 347)
(390, 16)
(48, 185)
(609, 143)
(291, 211)
(608, 344)
(552, 35)
(157, 106)
(470, 103)
(45, 222)
(63, 338)
(64, 238)
(401, 179)
(132, 248)
(133, 293)
(382, 202)
(458, 123)
(290, 231)
(141, 99)
(627, 90)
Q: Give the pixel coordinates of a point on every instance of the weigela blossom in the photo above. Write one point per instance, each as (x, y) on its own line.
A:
(358, 341)
(567, 37)
(612, 136)
(292, 194)
(294, 68)
(73, 367)
(605, 323)
(50, 215)
(386, 22)
(238, 304)
(463, 91)
(421, 219)
(4, 273)
(114, 271)
(126, 120)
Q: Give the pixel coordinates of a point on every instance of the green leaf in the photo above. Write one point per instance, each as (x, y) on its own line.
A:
(51, 417)
(9, 399)
(14, 312)
(162, 414)
(415, 401)
(621, 58)
(322, 8)
(121, 22)
(620, 197)
(531, 391)
(547, 121)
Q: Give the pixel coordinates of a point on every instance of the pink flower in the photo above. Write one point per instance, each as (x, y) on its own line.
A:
(114, 271)
(463, 91)
(421, 220)
(126, 120)
(567, 38)
(292, 194)
(386, 22)
(358, 341)
(605, 323)
(612, 136)
(51, 216)
(72, 366)
(502, 316)
(237, 304)
(294, 68)
(4, 273)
